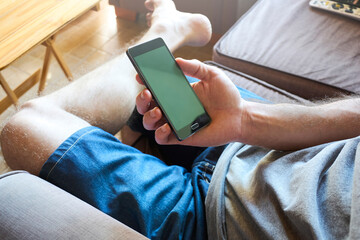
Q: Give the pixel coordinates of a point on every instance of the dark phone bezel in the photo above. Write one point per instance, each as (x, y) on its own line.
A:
(189, 129)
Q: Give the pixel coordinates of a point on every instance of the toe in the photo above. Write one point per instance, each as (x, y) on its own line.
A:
(149, 4)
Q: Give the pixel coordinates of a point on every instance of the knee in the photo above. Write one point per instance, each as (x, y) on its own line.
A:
(35, 132)
(20, 119)
(16, 124)
(16, 135)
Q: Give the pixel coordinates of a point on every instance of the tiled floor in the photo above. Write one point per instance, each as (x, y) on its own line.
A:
(86, 43)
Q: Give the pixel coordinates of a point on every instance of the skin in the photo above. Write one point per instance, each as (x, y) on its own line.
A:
(275, 126)
(104, 98)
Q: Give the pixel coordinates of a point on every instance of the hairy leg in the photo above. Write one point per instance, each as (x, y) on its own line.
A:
(104, 98)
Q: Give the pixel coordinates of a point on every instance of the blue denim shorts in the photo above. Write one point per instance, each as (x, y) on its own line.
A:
(139, 190)
(160, 201)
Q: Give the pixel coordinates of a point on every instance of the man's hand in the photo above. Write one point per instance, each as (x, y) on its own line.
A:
(220, 98)
(275, 126)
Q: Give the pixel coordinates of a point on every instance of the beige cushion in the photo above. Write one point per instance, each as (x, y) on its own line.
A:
(31, 208)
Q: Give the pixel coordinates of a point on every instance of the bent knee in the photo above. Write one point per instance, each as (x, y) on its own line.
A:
(35, 132)
(16, 136)
(21, 120)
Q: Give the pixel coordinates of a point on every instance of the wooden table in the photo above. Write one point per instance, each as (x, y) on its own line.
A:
(27, 23)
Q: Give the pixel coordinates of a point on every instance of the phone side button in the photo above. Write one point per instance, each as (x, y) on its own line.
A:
(194, 126)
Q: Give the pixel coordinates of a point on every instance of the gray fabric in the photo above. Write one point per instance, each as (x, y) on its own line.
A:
(31, 208)
(214, 201)
(355, 212)
(291, 37)
(313, 193)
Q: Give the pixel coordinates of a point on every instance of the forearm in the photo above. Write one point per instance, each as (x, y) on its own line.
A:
(289, 126)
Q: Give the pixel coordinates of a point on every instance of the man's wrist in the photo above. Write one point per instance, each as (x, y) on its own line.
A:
(244, 122)
(255, 124)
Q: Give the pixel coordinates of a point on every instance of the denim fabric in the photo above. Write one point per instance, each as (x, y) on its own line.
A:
(141, 191)
(160, 200)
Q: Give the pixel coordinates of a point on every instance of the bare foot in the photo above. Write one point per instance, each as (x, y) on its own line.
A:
(174, 26)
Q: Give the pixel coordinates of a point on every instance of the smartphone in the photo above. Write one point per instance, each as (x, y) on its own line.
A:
(171, 90)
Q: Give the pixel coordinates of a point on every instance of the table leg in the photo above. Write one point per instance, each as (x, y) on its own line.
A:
(52, 48)
(60, 60)
(45, 70)
(8, 90)
(19, 91)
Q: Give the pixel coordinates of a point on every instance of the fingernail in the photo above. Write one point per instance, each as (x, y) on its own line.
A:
(142, 95)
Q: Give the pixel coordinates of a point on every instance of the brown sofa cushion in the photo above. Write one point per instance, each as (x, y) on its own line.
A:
(306, 51)
(259, 87)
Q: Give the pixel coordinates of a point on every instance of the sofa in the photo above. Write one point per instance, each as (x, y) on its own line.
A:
(282, 50)
(288, 45)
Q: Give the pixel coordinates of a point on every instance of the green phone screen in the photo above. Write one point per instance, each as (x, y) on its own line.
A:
(168, 83)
